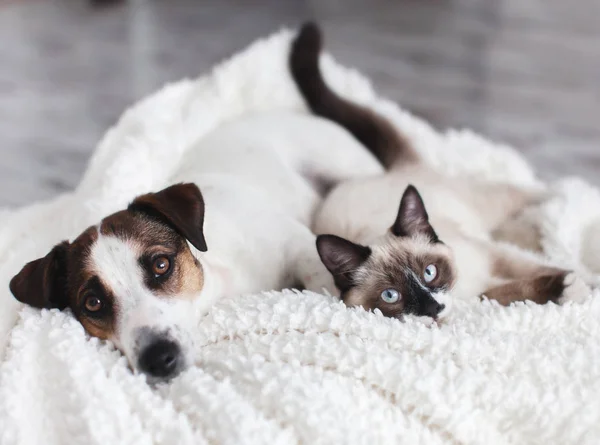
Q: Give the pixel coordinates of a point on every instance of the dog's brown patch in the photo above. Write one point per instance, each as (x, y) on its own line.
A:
(101, 324)
(191, 276)
(153, 238)
(82, 281)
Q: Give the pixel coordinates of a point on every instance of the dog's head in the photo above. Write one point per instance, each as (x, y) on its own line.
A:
(131, 279)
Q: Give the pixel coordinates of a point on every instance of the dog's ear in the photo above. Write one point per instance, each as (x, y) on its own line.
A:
(180, 206)
(341, 258)
(42, 283)
(412, 217)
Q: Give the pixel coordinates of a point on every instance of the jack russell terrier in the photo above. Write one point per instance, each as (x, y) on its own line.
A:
(236, 221)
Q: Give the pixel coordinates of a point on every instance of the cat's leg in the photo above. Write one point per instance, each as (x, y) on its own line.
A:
(558, 287)
(523, 276)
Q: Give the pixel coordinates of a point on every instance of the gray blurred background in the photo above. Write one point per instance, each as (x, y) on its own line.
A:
(525, 72)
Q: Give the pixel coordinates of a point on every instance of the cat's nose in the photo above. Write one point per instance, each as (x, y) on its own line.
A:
(432, 309)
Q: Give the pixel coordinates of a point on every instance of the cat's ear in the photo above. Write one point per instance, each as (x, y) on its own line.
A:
(412, 217)
(341, 258)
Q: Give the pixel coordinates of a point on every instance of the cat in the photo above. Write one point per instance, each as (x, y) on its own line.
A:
(439, 242)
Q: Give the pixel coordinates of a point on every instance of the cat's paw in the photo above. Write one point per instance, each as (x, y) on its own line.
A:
(575, 289)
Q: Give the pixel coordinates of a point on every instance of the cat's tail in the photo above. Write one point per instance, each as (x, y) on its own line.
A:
(371, 129)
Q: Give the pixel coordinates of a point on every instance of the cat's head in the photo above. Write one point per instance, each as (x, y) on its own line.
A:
(410, 271)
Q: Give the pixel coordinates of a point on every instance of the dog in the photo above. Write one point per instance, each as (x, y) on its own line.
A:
(235, 220)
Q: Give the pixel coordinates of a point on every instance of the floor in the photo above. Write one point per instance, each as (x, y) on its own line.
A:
(525, 72)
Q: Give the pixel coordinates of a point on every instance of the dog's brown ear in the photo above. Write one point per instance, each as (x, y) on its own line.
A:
(42, 283)
(180, 206)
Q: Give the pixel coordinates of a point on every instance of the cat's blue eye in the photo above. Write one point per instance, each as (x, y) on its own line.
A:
(390, 296)
(430, 273)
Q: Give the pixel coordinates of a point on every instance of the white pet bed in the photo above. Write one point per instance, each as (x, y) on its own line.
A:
(302, 368)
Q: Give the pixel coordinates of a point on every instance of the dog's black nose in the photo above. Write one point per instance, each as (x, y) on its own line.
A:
(162, 359)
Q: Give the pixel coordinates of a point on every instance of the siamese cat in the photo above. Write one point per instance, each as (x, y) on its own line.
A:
(440, 235)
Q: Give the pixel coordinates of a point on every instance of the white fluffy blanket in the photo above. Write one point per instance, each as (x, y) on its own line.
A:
(302, 368)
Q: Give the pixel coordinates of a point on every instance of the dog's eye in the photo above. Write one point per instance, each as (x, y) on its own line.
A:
(390, 295)
(430, 273)
(160, 266)
(93, 303)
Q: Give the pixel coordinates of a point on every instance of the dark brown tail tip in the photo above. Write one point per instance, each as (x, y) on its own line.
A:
(308, 39)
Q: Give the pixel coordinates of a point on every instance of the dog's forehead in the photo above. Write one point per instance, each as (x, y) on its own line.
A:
(134, 225)
(124, 236)
(134, 230)
(81, 245)
(124, 225)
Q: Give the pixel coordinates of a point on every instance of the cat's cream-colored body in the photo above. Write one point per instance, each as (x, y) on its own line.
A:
(443, 224)
(463, 212)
